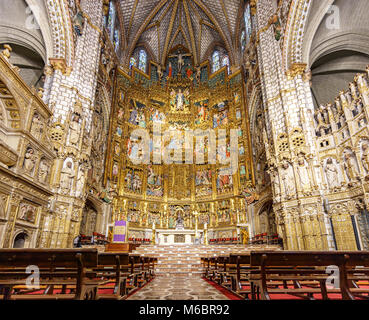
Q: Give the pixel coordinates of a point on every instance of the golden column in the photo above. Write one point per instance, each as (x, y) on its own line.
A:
(153, 233)
(206, 234)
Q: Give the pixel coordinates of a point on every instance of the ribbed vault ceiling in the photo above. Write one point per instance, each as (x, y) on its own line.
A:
(163, 24)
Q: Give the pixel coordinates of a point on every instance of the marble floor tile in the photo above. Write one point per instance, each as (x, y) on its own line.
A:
(178, 288)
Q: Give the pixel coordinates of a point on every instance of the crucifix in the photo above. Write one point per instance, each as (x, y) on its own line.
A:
(180, 57)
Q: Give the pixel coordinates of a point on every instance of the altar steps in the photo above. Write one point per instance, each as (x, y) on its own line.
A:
(185, 260)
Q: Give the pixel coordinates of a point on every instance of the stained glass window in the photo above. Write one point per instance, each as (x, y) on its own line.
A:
(111, 20)
(248, 25)
(216, 61)
(132, 62)
(142, 60)
(225, 62)
(243, 40)
(116, 39)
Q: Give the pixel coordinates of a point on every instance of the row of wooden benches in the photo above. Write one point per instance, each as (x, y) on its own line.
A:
(81, 274)
(309, 275)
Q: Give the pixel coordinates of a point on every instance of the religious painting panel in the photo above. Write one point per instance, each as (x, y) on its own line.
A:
(172, 217)
(202, 148)
(133, 180)
(121, 97)
(155, 182)
(238, 114)
(220, 114)
(27, 212)
(154, 218)
(115, 172)
(202, 113)
(224, 217)
(157, 114)
(118, 132)
(224, 181)
(137, 115)
(203, 182)
(237, 98)
(117, 149)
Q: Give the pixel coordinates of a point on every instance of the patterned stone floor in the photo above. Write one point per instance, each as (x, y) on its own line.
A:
(178, 288)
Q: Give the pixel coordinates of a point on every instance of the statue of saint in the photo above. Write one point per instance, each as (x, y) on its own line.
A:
(276, 183)
(365, 156)
(179, 222)
(74, 130)
(303, 175)
(66, 178)
(288, 180)
(80, 183)
(331, 172)
(198, 74)
(350, 166)
(29, 160)
(43, 171)
(180, 100)
(160, 72)
(2, 207)
(36, 129)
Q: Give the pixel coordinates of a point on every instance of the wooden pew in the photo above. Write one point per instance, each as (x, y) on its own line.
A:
(59, 268)
(114, 267)
(205, 261)
(241, 265)
(213, 268)
(150, 263)
(306, 273)
(355, 270)
(137, 270)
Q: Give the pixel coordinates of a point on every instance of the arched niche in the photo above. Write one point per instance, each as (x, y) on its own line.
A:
(20, 240)
(335, 45)
(266, 219)
(20, 29)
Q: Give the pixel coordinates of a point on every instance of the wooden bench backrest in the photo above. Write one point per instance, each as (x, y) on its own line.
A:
(309, 258)
(243, 258)
(109, 259)
(46, 258)
(135, 258)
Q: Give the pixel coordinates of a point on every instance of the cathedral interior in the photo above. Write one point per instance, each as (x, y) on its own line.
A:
(204, 123)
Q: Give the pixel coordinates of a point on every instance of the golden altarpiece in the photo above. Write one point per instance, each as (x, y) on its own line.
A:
(196, 189)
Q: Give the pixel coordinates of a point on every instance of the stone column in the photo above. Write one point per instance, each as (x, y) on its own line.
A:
(289, 106)
(70, 93)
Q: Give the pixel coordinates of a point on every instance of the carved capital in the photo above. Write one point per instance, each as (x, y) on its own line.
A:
(297, 69)
(61, 65)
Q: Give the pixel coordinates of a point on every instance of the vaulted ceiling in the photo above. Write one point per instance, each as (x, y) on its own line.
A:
(161, 25)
